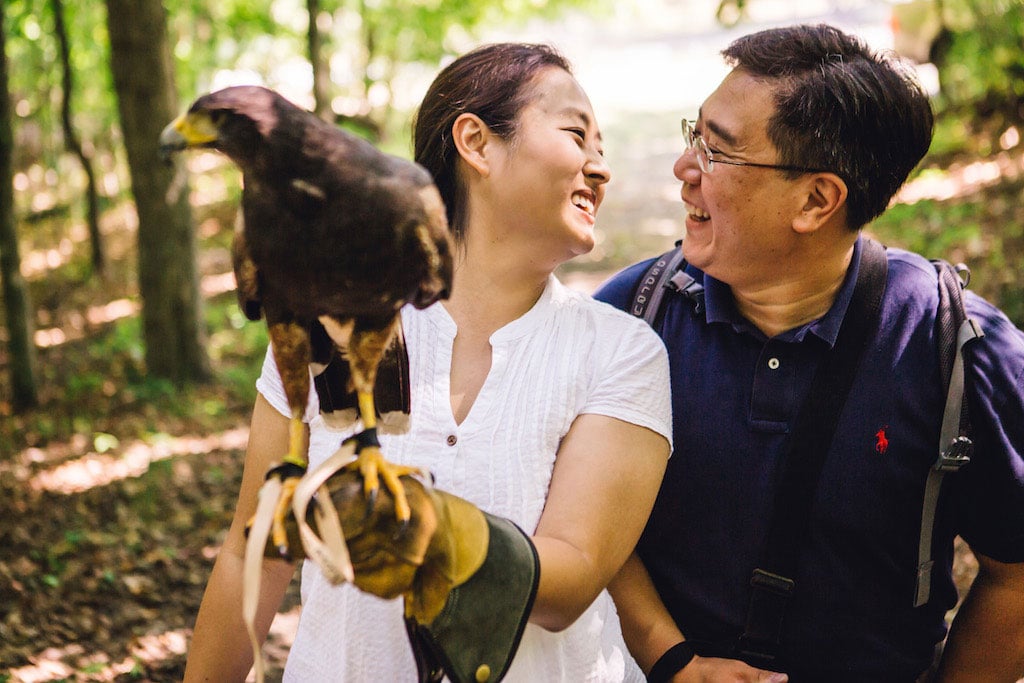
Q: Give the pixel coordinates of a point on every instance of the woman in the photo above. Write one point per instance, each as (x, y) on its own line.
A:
(532, 401)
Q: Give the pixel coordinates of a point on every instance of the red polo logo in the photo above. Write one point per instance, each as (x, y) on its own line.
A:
(881, 442)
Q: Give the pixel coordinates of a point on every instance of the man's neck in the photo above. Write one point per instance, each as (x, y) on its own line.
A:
(806, 295)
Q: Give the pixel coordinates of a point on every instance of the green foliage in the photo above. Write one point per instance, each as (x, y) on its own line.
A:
(208, 37)
(35, 84)
(985, 53)
(930, 227)
(950, 136)
(984, 229)
(980, 57)
(367, 43)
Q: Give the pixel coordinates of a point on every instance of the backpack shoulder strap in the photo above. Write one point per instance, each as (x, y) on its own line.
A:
(666, 273)
(811, 433)
(954, 330)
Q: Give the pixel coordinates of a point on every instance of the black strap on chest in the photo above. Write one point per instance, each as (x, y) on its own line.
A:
(332, 378)
(773, 581)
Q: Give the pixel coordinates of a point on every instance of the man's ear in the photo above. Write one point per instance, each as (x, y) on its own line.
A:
(826, 197)
(471, 136)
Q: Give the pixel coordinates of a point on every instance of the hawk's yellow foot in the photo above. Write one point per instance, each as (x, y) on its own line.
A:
(373, 467)
(289, 472)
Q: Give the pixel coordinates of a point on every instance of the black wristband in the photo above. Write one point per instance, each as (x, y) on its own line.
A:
(670, 663)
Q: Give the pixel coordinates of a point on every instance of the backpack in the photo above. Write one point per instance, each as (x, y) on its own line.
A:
(666, 276)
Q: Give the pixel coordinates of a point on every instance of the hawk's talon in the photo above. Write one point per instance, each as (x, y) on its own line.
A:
(403, 526)
(371, 500)
(373, 468)
(290, 474)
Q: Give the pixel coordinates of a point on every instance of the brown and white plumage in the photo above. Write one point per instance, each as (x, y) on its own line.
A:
(334, 238)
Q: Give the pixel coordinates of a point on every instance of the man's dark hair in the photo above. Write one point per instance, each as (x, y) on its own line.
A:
(841, 106)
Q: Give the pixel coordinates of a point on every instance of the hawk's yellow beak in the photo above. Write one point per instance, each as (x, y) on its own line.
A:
(188, 130)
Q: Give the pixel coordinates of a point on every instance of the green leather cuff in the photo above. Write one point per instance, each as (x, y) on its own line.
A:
(477, 633)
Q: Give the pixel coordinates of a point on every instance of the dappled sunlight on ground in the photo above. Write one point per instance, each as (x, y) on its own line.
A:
(98, 469)
(77, 326)
(963, 179)
(53, 664)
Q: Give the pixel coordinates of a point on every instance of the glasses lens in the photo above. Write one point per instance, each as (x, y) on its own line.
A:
(693, 141)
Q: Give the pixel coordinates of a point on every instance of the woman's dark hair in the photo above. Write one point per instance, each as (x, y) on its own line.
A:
(492, 82)
(840, 106)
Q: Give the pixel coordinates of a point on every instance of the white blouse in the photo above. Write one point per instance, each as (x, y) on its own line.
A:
(566, 356)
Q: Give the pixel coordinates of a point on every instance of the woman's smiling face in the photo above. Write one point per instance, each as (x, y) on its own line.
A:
(551, 176)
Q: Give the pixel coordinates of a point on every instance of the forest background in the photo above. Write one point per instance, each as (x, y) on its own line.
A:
(126, 368)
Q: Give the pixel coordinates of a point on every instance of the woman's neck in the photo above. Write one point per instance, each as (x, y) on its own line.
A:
(493, 286)
(487, 296)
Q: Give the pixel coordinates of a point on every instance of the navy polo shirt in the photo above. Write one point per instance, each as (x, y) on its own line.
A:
(735, 395)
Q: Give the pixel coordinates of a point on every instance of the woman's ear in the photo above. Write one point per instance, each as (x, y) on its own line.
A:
(826, 197)
(471, 135)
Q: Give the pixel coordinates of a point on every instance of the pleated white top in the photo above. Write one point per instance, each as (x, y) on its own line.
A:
(567, 356)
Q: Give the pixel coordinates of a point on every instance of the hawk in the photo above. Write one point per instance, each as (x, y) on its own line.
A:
(334, 237)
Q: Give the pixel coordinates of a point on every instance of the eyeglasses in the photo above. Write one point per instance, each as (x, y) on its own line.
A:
(707, 159)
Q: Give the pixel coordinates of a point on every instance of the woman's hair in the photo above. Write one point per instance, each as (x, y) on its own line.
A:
(840, 106)
(492, 82)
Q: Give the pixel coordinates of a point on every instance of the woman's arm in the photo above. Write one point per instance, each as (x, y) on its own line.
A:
(650, 632)
(603, 487)
(220, 649)
(647, 626)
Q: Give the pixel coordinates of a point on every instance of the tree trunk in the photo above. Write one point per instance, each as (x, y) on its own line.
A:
(21, 359)
(72, 142)
(172, 325)
(321, 74)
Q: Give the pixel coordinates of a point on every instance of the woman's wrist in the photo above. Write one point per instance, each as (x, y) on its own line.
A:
(671, 662)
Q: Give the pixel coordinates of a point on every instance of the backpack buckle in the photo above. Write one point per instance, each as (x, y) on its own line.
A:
(687, 285)
(956, 455)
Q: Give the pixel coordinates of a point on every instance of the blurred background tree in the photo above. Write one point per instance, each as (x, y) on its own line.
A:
(976, 47)
(21, 357)
(172, 325)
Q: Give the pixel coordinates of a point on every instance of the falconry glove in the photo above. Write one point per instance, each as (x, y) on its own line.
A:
(468, 578)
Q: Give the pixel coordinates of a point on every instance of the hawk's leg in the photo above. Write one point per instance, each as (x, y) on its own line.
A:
(365, 349)
(372, 465)
(290, 341)
(290, 471)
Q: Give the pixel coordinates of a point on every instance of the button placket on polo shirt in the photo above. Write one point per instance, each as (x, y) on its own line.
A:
(772, 400)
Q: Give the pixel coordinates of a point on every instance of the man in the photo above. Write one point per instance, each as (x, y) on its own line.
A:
(804, 142)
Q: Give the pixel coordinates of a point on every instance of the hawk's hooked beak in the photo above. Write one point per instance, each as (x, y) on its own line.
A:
(188, 130)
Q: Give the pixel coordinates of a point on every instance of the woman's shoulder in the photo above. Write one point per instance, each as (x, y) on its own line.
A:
(605, 325)
(601, 311)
